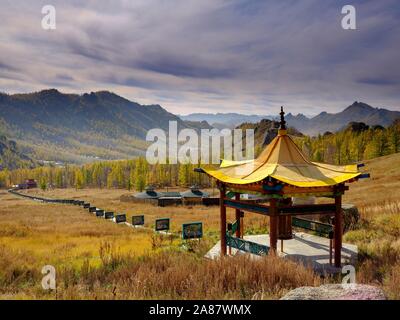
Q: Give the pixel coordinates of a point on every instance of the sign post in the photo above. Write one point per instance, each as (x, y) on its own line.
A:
(119, 218)
(192, 230)
(162, 224)
(138, 220)
(108, 215)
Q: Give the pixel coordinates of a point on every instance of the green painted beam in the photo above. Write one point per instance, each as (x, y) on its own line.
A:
(251, 207)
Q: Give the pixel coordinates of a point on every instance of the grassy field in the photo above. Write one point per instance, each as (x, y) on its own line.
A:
(378, 233)
(97, 259)
(109, 199)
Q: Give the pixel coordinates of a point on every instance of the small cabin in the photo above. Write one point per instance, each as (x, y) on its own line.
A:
(193, 196)
(169, 199)
(149, 195)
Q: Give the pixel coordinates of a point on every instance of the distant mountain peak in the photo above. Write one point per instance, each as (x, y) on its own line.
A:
(359, 105)
(105, 93)
(49, 92)
(357, 112)
(298, 116)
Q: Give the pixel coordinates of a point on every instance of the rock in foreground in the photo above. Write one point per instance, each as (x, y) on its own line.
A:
(336, 292)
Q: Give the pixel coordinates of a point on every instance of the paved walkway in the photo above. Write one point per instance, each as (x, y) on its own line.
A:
(304, 248)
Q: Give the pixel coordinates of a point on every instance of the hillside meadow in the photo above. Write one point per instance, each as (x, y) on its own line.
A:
(97, 259)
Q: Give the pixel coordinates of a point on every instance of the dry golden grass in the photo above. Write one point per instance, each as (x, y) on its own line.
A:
(378, 233)
(89, 252)
(109, 199)
(381, 193)
(96, 259)
(179, 275)
(162, 275)
(61, 234)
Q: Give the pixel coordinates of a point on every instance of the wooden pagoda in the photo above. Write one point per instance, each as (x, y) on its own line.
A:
(281, 172)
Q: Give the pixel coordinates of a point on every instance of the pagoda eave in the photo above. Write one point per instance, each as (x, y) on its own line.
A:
(285, 190)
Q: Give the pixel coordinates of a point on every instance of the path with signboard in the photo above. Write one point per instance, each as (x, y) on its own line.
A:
(162, 225)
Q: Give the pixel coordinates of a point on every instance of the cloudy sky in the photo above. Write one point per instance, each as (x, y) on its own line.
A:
(207, 55)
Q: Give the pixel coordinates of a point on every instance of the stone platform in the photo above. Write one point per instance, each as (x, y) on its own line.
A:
(304, 248)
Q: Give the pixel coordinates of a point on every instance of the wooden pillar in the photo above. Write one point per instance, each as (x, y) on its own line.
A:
(237, 216)
(338, 231)
(241, 224)
(273, 226)
(222, 194)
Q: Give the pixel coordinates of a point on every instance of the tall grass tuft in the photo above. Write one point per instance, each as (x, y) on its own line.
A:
(170, 274)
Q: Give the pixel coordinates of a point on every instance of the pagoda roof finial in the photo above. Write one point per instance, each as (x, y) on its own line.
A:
(282, 124)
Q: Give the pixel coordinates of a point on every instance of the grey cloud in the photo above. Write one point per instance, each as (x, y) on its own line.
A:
(379, 81)
(184, 67)
(7, 67)
(210, 55)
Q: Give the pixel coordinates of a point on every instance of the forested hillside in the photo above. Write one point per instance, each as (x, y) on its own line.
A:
(11, 157)
(355, 143)
(50, 125)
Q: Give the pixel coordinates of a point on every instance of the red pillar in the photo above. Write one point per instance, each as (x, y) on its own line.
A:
(222, 194)
(241, 224)
(273, 226)
(338, 231)
(237, 216)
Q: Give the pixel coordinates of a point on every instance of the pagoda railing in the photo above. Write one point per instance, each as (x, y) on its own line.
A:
(246, 246)
(241, 244)
(321, 229)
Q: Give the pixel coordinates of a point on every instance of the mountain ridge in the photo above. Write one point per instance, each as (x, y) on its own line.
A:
(225, 120)
(324, 121)
(356, 112)
(79, 127)
(50, 125)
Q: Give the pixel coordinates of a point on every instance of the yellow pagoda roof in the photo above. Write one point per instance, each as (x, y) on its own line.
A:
(283, 160)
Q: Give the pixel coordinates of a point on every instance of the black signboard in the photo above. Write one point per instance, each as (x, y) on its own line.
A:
(138, 220)
(120, 218)
(162, 224)
(99, 213)
(192, 230)
(108, 215)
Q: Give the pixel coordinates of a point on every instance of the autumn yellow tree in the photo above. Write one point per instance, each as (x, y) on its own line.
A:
(79, 179)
